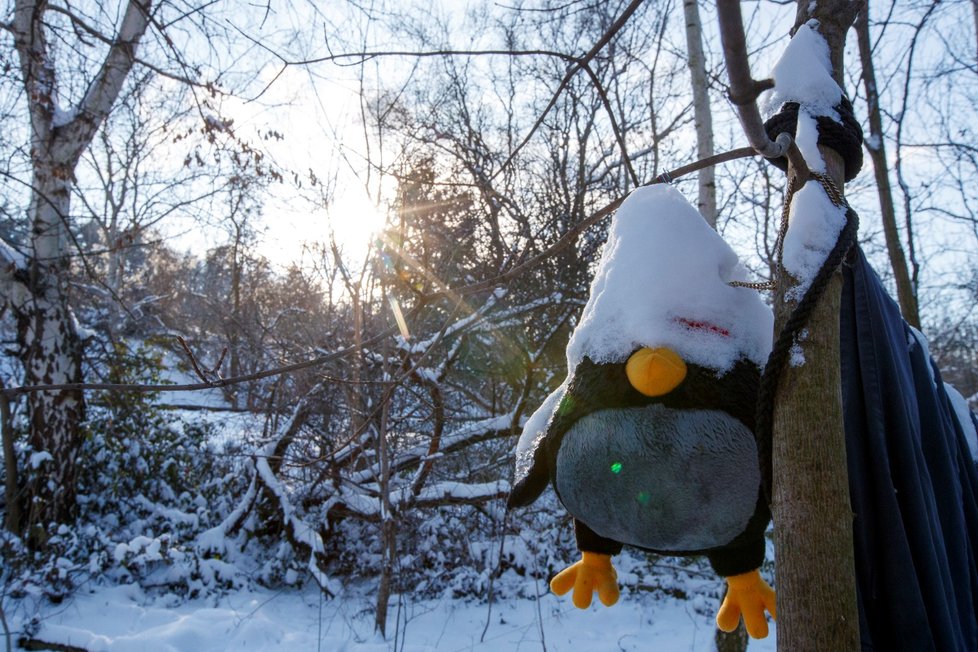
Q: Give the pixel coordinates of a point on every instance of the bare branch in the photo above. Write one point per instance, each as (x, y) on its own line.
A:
(98, 35)
(105, 88)
(585, 60)
(456, 294)
(193, 359)
(744, 90)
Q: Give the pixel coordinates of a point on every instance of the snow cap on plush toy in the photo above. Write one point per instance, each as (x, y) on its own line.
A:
(663, 281)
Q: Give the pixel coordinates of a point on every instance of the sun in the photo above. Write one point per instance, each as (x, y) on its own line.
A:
(294, 231)
(354, 219)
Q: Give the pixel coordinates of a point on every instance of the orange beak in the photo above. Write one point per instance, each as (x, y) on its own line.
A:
(655, 372)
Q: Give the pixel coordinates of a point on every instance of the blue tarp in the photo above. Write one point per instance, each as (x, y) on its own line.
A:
(913, 482)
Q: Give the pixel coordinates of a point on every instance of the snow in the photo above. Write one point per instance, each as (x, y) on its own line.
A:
(40, 457)
(806, 136)
(663, 280)
(964, 418)
(62, 117)
(814, 224)
(124, 619)
(11, 257)
(175, 372)
(803, 74)
(534, 428)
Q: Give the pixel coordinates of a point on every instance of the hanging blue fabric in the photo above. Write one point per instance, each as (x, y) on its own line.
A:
(913, 482)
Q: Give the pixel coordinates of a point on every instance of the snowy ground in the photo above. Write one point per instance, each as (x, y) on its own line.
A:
(123, 619)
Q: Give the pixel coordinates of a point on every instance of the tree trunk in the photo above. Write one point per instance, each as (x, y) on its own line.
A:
(11, 485)
(702, 114)
(50, 349)
(50, 352)
(235, 393)
(388, 526)
(735, 641)
(814, 557)
(877, 152)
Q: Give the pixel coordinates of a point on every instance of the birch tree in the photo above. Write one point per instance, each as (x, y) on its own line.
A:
(33, 282)
(702, 113)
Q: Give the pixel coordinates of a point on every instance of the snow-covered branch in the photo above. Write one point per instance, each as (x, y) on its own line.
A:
(366, 506)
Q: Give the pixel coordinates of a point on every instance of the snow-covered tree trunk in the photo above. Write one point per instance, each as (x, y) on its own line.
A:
(877, 152)
(702, 114)
(815, 566)
(49, 345)
(50, 351)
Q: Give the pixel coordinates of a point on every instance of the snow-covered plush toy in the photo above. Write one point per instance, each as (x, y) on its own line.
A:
(649, 442)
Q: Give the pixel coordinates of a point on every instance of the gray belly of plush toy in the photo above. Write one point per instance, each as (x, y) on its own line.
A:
(654, 477)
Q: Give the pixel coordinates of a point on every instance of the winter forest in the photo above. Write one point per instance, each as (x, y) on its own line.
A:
(282, 283)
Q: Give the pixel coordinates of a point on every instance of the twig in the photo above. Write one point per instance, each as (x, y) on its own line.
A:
(37, 644)
(577, 63)
(193, 360)
(220, 361)
(223, 382)
(583, 61)
(571, 235)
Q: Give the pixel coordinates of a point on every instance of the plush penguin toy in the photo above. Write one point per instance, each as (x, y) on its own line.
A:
(649, 442)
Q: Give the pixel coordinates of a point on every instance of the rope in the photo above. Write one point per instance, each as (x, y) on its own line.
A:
(771, 376)
(845, 137)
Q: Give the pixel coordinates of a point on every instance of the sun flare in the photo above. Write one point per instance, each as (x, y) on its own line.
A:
(354, 220)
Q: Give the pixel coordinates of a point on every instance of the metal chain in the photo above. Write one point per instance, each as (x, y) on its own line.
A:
(778, 244)
(832, 190)
(835, 196)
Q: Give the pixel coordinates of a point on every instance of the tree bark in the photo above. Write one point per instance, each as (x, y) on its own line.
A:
(702, 114)
(50, 351)
(11, 484)
(49, 346)
(877, 152)
(814, 558)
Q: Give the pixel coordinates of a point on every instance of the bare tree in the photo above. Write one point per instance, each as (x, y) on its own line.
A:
(810, 492)
(876, 147)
